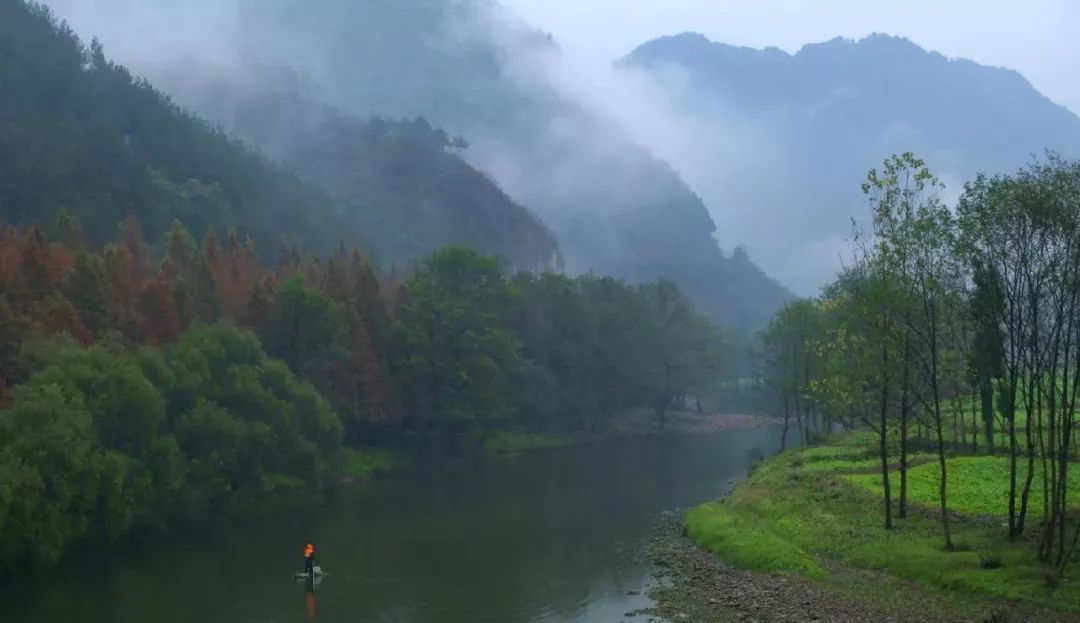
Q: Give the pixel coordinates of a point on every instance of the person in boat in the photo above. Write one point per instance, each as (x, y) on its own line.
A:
(309, 559)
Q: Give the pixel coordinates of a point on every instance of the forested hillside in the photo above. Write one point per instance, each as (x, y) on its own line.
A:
(808, 123)
(145, 381)
(616, 208)
(83, 136)
(403, 184)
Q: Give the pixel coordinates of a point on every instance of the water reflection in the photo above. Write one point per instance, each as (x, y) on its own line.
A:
(310, 599)
(551, 536)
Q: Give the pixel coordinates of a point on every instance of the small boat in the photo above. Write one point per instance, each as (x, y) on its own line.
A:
(303, 575)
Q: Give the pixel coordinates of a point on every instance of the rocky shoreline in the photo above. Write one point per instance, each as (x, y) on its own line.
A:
(695, 586)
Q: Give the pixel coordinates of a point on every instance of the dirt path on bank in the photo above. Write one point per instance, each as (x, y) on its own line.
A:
(689, 422)
(697, 587)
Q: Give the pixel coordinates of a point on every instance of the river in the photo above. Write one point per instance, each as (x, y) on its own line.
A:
(551, 536)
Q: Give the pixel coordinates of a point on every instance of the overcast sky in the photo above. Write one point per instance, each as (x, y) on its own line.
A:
(1036, 37)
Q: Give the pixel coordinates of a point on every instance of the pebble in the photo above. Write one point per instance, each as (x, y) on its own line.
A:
(698, 587)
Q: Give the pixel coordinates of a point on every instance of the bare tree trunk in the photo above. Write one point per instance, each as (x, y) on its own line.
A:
(1011, 416)
(974, 429)
(955, 429)
(936, 395)
(1049, 482)
(807, 407)
(1025, 493)
(799, 423)
(787, 419)
(905, 411)
(986, 399)
(942, 489)
(883, 435)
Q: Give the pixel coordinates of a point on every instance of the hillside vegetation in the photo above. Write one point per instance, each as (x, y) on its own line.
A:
(82, 136)
(615, 207)
(85, 137)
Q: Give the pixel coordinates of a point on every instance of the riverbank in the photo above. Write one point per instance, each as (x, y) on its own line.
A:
(361, 465)
(634, 423)
(696, 585)
(806, 529)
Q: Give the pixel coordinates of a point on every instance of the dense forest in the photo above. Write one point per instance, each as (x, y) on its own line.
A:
(953, 335)
(83, 135)
(138, 386)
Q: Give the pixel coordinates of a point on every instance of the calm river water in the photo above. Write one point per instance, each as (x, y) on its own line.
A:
(551, 536)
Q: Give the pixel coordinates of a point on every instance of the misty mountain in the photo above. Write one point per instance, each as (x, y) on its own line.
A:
(79, 134)
(404, 183)
(616, 208)
(808, 126)
(82, 135)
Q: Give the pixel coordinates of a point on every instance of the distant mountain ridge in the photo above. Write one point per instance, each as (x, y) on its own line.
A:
(615, 207)
(834, 109)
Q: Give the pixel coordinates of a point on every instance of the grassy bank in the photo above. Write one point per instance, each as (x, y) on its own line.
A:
(635, 422)
(811, 512)
(363, 464)
(512, 443)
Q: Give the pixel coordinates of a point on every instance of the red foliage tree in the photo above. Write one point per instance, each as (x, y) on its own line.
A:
(159, 320)
(132, 240)
(236, 277)
(121, 289)
(55, 315)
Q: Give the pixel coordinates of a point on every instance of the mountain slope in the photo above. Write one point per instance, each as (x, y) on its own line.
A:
(80, 134)
(815, 121)
(404, 183)
(616, 208)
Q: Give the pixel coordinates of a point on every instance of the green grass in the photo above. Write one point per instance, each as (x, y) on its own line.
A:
(361, 464)
(977, 485)
(748, 544)
(509, 443)
(801, 512)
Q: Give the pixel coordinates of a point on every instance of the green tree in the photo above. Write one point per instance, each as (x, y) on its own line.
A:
(916, 243)
(683, 348)
(235, 408)
(792, 366)
(127, 409)
(304, 327)
(49, 471)
(459, 353)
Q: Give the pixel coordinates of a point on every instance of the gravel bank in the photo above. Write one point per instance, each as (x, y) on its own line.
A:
(695, 586)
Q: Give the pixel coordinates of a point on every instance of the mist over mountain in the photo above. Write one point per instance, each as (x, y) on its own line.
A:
(404, 183)
(84, 138)
(468, 67)
(809, 125)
